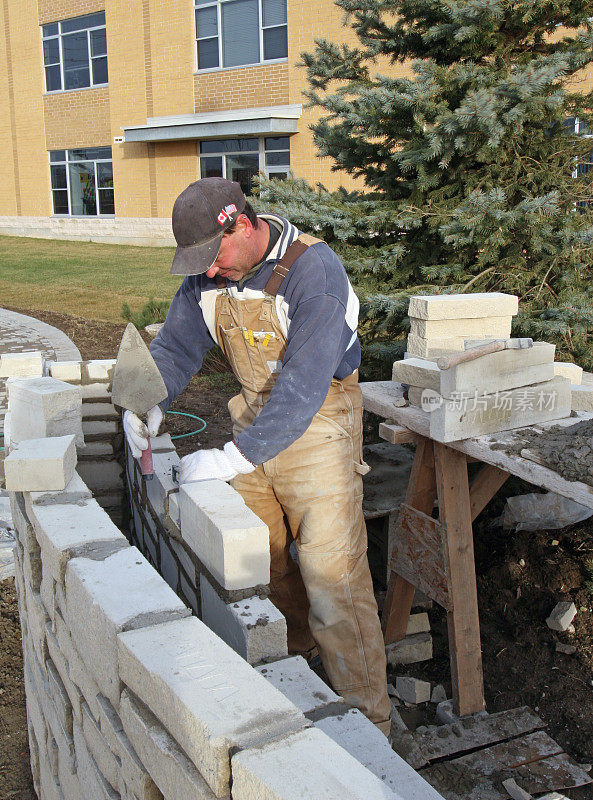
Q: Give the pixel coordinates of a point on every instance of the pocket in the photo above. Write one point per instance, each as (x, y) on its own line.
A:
(361, 468)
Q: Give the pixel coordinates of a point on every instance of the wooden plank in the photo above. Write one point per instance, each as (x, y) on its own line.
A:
(462, 619)
(535, 761)
(384, 394)
(484, 486)
(397, 434)
(418, 554)
(421, 494)
(481, 448)
(472, 732)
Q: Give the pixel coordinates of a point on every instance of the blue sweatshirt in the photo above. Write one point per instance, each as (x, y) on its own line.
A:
(318, 314)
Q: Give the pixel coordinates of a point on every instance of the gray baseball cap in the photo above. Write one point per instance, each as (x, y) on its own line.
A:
(201, 214)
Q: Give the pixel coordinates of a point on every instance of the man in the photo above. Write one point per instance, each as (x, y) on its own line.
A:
(281, 308)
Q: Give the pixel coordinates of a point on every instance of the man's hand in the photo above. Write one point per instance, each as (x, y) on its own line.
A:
(137, 432)
(223, 464)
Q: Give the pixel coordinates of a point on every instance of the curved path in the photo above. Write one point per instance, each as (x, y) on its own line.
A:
(18, 333)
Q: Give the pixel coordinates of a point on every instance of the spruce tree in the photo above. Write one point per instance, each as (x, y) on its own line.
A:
(475, 166)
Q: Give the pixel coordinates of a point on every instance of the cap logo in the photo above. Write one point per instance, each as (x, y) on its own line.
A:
(222, 218)
(230, 209)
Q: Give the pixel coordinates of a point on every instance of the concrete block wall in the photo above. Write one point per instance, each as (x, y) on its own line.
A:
(131, 696)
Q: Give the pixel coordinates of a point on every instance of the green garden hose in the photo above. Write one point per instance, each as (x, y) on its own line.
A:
(192, 416)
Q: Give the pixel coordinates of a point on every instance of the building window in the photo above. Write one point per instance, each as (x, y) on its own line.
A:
(240, 159)
(231, 33)
(82, 181)
(579, 126)
(75, 53)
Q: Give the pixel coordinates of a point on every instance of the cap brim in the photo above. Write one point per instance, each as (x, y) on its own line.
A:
(196, 258)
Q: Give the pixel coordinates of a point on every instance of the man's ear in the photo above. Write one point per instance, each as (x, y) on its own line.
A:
(244, 225)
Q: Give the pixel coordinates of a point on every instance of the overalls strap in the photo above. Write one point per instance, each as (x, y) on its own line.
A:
(280, 271)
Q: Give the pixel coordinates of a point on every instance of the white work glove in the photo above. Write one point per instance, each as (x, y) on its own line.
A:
(222, 464)
(137, 432)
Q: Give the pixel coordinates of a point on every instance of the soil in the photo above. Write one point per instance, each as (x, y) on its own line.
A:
(521, 576)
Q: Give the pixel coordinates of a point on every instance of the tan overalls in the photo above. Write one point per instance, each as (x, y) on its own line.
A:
(310, 492)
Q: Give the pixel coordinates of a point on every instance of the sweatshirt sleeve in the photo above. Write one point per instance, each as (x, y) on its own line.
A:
(183, 341)
(319, 336)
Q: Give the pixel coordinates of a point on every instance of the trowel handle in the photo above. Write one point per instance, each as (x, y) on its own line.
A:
(146, 463)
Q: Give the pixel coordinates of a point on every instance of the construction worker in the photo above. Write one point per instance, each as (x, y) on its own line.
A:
(281, 307)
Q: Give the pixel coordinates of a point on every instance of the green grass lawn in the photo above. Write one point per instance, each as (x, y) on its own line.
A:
(83, 278)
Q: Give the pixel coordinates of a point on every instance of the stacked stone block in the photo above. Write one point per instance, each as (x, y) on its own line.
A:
(131, 698)
(500, 391)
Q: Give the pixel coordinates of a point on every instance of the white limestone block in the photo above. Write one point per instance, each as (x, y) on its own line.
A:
(77, 670)
(418, 623)
(412, 690)
(74, 530)
(227, 537)
(75, 491)
(463, 306)
(98, 748)
(98, 429)
(410, 650)
(17, 365)
(98, 370)
(61, 663)
(514, 408)
(100, 411)
(131, 772)
(95, 786)
(365, 742)
(172, 771)
(95, 391)
(162, 483)
(69, 371)
(37, 465)
(307, 764)
(102, 476)
(418, 372)
(569, 370)
(472, 328)
(122, 592)
(59, 696)
(507, 369)
(297, 681)
(208, 697)
(431, 349)
(254, 628)
(42, 407)
(581, 398)
(562, 615)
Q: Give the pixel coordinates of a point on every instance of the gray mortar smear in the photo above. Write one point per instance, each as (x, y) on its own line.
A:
(566, 450)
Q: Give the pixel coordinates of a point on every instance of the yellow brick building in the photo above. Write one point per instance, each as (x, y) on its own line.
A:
(109, 108)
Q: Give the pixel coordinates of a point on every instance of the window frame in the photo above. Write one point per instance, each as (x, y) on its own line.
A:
(66, 162)
(268, 171)
(582, 205)
(59, 36)
(217, 4)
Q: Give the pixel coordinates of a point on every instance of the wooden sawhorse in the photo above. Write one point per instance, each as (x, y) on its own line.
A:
(437, 555)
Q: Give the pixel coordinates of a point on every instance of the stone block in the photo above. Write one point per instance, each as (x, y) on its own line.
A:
(96, 451)
(307, 764)
(227, 537)
(581, 398)
(54, 725)
(528, 405)
(21, 365)
(438, 694)
(497, 372)
(60, 663)
(122, 592)
(77, 671)
(365, 742)
(102, 476)
(74, 530)
(41, 407)
(472, 328)
(209, 699)
(99, 411)
(297, 681)
(93, 783)
(562, 615)
(75, 491)
(99, 749)
(418, 372)
(569, 370)
(95, 392)
(162, 483)
(463, 306)
(172, 771)
(68, 371)
(412, 690)
(95, 431)
(98, 370)
(410, 650)
(68, 779)
(431, 349)
(132, 775)
(59, 696)
(38, 465)
(418, 623)
(254, 628)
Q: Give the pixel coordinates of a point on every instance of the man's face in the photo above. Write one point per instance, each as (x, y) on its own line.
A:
(235, 257)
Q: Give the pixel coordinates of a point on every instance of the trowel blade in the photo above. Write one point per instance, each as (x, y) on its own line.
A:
(137, 383)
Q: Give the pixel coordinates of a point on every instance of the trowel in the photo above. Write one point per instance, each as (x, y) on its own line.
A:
(137, 384)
